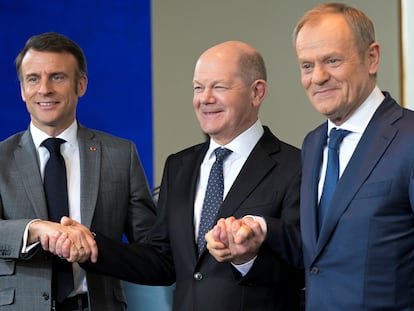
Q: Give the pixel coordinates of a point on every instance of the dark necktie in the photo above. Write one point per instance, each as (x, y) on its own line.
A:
(55, 185)
(213, 197)
(332, 171)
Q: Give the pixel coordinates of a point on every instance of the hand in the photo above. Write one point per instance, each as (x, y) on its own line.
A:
(235, 240)
(69, 239)
(217, 242)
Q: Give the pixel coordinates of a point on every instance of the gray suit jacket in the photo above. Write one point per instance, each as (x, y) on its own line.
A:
(115, 199)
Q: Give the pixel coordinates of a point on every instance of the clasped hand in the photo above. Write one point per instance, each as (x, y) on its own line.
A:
(235, 240)
(67, 239)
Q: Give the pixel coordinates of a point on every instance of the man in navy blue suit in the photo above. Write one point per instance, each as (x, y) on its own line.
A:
(360, 256)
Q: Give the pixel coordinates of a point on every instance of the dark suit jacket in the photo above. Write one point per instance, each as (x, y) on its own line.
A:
(364, 256)
(114, 199)
(267, 185)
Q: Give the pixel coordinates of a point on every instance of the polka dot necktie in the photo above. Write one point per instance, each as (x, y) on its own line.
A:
(332, 172)
(55, 185)
(213, 197)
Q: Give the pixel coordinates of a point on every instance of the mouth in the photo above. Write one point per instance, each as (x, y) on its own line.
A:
(47, 104)
(324, 92)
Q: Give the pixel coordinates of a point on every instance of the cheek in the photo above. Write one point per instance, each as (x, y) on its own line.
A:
(306, 81)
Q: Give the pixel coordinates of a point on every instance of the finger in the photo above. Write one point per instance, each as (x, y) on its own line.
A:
(58, 241)
(74, 255)
(243, 234)
(44, 241)
(221, 255)
(229, 223)
(54, 241)
(213, 243)
(66, 221)
(90, 249)
(256, 228)
(221, 231)
(66, 247)
(215, 233)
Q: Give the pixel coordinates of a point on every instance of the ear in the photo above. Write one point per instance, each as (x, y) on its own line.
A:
(22, 91)
(259, 89)
(82, 86)
(373, 54)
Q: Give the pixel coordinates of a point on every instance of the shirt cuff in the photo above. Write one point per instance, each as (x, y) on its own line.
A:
(27, 248)
(245, 267)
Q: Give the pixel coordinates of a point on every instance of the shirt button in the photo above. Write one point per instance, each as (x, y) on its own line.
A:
(198, 276)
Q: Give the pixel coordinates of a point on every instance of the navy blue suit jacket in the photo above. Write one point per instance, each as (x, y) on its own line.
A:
(364, 256)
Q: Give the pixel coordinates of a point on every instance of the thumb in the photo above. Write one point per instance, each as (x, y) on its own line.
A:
(66, 221)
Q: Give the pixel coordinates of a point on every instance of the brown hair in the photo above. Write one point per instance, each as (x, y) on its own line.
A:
(53, 42)
(361, 25)
(252, 66)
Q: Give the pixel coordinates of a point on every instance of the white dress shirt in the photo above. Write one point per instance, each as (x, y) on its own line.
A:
(70, 152)
(241, 148)
(357, 124)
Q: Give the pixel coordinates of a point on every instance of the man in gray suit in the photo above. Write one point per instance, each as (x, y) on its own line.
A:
(107, 187)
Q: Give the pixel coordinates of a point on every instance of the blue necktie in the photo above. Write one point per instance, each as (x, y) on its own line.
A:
(55, 185)
(213, 197)
(332, 171)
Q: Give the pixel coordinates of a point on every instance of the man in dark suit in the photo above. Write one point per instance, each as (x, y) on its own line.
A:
(359, 255)
(107, 188)
(261, 177)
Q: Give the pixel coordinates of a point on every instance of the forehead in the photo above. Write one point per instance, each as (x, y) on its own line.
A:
(46, 61)
(216, 67)
(330, 32)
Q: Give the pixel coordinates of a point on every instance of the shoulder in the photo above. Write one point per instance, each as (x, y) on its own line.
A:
(272, 143)
(193, 153)
(86, 134)
(13, 141)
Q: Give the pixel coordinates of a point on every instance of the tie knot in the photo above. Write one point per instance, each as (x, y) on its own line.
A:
(221, 153)
(53, 144)
(335, 137)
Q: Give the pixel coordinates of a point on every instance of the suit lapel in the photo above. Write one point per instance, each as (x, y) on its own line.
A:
(258, 164)
(28, 166)
(312, 156)
(375, 140)
(190, 170)
(90, 151)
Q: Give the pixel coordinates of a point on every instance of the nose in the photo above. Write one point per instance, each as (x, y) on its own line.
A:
(45, 87)
(319, 75)
(207, 97)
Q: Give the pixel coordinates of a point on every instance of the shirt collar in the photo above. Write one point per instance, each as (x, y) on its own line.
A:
(359, 120)
(242, 144)
(70, 134)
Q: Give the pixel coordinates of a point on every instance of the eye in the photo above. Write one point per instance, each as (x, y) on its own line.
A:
(58, 77)
(32, 79)
(306, 67)
(197, 89)
(333, 62)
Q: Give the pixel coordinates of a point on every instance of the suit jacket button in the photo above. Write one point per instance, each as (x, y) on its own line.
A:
(314, 270)
(45, 296)
(198, 276)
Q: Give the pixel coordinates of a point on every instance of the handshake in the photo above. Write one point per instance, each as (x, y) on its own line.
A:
(68, 239)
(230, 240)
